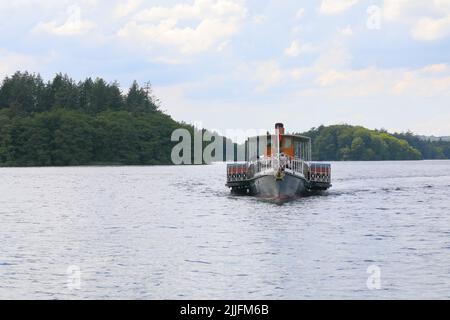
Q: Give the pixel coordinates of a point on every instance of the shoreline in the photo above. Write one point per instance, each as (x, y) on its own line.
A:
(205, 164)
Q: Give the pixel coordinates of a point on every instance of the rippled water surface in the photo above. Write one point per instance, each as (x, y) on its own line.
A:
(177, 233)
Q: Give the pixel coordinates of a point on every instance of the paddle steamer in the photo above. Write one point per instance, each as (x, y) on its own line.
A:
(278, 166)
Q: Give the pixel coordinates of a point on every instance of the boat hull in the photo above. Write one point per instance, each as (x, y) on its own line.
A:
(290, 186)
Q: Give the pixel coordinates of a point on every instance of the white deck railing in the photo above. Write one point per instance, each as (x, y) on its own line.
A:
(294, 166)
(314, 172)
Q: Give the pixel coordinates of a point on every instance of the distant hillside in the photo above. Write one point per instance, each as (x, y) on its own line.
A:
(433, 138)
(345, 142)
(429, 149)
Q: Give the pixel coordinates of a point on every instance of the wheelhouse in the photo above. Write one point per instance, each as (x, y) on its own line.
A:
(267, 146)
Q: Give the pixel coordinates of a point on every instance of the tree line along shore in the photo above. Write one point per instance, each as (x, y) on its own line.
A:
(93, 122)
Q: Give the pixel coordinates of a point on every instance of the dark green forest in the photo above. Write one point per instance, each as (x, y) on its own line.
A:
(63, 122)
(346, 142)
(92, 122)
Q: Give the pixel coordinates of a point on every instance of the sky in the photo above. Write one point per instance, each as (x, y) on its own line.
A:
(236, 64)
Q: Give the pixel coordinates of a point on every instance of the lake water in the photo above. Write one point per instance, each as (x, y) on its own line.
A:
(177, 233)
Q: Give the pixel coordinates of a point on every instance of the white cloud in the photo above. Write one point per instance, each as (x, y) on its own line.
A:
(258, 19)
(300, 13)
(331, 77)
(427, 20)
(10, 62)
(347, 31)
(372, 81)
(328, 68)
(332, 7)
(295, 49)
(199, 9)
(124, 8)
(364, 97)
(428, 29)
(73, 25)
(268, 74)
(436, 68)
(335, 56)
(296, 29)
(418, 82)
(395, 10)
(297, 73)
(209, 23)
(223, 46)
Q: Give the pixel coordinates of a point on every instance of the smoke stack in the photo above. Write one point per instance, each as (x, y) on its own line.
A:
(279, 128)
